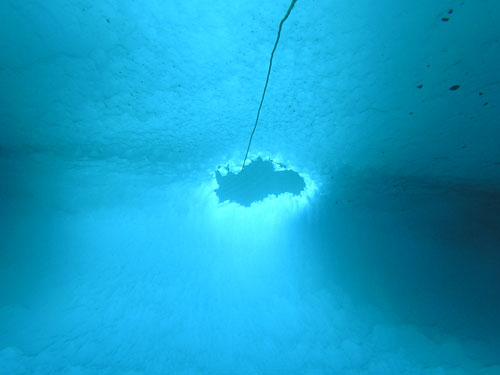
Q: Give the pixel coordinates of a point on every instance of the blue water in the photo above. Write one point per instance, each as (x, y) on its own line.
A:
(116, 255)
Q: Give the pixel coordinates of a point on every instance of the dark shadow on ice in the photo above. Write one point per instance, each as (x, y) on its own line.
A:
(257, 181)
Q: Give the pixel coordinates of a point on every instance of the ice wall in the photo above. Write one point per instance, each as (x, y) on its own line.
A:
(115, 255)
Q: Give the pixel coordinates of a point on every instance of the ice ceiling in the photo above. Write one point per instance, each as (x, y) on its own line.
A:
(344, 94)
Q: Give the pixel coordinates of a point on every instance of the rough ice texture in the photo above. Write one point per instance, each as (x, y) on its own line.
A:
(115, 261)
(179, 83)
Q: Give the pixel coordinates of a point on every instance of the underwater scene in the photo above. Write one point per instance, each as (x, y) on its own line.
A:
(235, 187)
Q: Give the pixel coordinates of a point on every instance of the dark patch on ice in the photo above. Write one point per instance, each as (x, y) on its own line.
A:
(445, 19)
(454, 87)
(257, 181)
(420, 86)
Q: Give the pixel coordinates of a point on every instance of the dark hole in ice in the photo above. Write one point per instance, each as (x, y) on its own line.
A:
(257, 181)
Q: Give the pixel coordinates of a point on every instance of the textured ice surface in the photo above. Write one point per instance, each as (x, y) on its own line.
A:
(116, 257)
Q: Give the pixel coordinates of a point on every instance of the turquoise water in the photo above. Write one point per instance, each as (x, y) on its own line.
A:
(117, 256)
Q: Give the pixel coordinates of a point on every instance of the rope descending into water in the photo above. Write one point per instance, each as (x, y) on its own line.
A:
(267, 79)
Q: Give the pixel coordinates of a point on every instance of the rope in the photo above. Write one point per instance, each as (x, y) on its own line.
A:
(267, 79)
